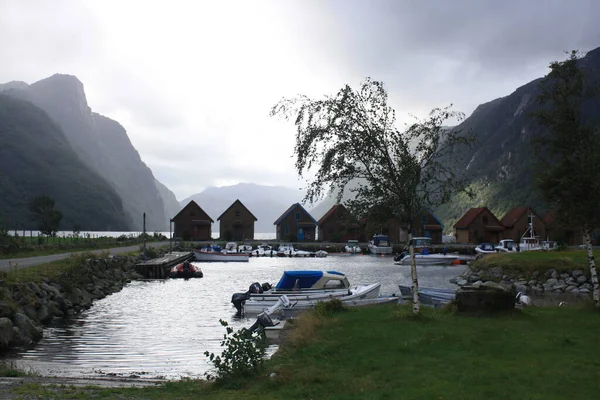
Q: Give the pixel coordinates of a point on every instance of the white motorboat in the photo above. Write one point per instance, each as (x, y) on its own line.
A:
(360, 292)
(263, 250)
(426, 259)
(529, 241)
(214, 253)
(380, 244)
(485, 248)
(352, 247)
(506, 246)
(286, 250)
(320, 253)
(435, 297)
(298, 285)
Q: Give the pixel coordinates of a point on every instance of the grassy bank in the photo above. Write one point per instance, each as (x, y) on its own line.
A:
(529, 261)
(384, 353)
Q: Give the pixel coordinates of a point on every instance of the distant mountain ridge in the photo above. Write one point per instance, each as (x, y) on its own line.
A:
(267, 203)
(103, 145)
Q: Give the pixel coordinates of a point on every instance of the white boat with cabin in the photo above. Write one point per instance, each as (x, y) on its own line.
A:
(215, 253)
(380, 244)
(352, 247)
(422, 255)
(529, 241)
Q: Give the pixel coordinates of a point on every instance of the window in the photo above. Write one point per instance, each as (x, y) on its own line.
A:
(286, 229)
(237, 213)
(297, 216)
(485, 219)
(424, 219)
(334, 284)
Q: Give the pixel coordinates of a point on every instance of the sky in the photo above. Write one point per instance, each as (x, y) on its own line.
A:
(193, 82)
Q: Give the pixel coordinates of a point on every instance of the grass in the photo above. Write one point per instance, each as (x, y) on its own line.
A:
(8, 369)
(529, 261)
(385, 353)
(52, 270)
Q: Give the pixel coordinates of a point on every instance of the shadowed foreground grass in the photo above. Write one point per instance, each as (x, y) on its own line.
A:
(384, 353)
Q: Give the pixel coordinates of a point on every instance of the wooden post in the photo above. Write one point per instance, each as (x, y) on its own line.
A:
(144, 237)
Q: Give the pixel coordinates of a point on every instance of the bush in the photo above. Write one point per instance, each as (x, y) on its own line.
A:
(331, 307)
(242, 356)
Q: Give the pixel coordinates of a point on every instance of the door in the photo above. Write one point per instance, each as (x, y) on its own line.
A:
(300, 234)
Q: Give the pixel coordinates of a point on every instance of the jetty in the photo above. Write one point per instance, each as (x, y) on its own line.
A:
(158, 268)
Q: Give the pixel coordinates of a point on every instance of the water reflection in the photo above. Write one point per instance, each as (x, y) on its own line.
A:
(162, 328)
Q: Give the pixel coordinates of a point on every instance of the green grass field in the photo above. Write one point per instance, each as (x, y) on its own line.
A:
(385, 353)
(529, 261)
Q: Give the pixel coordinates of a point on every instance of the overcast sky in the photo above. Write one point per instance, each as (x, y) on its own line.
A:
(192, 82)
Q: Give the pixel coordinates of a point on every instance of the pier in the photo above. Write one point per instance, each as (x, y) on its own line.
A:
(158, 268)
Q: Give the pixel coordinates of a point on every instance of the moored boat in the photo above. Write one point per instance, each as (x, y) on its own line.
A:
(186, 270)
(380, 244)
(293, 310)
(214, 253)
(426, 259)
(352, 247)
(435, 297)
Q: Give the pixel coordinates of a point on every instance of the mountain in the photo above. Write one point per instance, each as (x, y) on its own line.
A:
(102, 144)
(501, 169)
(37, 159)
(267, 203)
(170, 202)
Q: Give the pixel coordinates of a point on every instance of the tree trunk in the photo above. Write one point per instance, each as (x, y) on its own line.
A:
(593, 274)
(416, 305)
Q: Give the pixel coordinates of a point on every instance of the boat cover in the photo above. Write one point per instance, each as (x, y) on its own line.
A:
(306, 279)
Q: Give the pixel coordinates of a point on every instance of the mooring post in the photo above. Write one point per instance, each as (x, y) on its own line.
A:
(144, 236)
(170, 236)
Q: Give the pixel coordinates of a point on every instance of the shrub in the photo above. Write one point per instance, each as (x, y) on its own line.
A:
(331, 307)
(242, 356)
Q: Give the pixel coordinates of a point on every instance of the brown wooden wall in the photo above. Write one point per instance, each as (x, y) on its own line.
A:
(340, 226)
(522, 224)
(237, 223)
(288, 229)
(192, 223)
(478, 230)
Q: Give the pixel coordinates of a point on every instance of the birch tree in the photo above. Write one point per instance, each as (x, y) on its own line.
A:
(352, 137)
(568, 151)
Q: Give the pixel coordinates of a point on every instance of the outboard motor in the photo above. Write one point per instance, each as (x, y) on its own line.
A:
(266, 286)
(255, 288)
(264, 319)
(238, 300)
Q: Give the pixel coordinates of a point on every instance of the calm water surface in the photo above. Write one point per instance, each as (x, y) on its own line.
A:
(162, 328)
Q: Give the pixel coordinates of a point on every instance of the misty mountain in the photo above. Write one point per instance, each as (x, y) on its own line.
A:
(267, 203)
(502, 167)
(170, 202)
(37, 159)
(102, 144)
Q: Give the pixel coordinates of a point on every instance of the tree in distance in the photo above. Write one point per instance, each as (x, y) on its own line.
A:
(568, 152)
(351, 136)
(44, 215)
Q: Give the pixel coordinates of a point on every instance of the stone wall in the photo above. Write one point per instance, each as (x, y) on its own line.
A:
(574, 282)
(25, 307)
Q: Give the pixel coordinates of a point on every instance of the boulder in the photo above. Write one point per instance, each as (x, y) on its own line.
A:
(5, 310)
(27, 328)
(576, 273)
(489, 297)
(6, 332)
(581, 279)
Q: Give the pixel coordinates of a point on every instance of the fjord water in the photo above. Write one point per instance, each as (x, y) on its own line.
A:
(161, 328)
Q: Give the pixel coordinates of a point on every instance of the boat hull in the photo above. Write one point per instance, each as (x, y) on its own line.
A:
(380, 250)
(429, 260)
(435, 297)
(220, 257)
(254, 306)
(292, 312)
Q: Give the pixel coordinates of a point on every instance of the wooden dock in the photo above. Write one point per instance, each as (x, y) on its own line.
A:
(158, 268)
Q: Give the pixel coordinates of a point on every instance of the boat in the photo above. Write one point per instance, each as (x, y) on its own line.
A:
(300, 285)
(485, 248)
(257, 305)
(426, 259)
(244, 248)
(529, 241)
(320, 253)
(263, 250)
(506, 246)
(435, 297)
(380, 244)
(214, 253)
(352, 247)
(286, 250)
(186, 270)
(293, 310)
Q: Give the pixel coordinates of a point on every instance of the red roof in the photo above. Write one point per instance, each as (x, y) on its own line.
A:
(470, 216)
(329, 213)
(513, 215)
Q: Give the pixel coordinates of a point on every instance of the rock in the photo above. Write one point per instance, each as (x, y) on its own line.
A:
(521, 288)
(554, 274)
(44, 314)
(535, 274)
(532, 282)
(549, 273)
(494, 274)
(453, 280)
(587, 286)
(18, 338)
(559, 287)
(570, 288)
(474, 278)
(485, 298)
(570, 281)
(462, 282)
(5, 310)
(583, 290)
(50, 289)
(564, 276)
(575, 291)
(26, 327)
(6, 332)
(552, 281)
(576, 273)
(581, 279)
